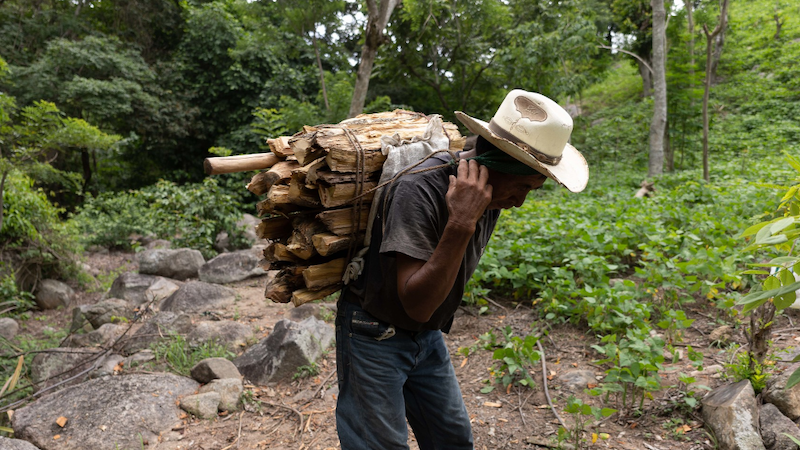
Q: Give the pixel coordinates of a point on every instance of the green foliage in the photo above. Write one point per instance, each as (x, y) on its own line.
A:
(176, 353)
(13, 301)
(189, 216)
(582, 414)
(745, 367)
(310, 370)
(514, 359)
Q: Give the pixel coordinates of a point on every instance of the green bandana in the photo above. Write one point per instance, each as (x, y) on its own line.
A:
(502, 162)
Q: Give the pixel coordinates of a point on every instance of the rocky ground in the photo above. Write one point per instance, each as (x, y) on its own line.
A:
(299, 413)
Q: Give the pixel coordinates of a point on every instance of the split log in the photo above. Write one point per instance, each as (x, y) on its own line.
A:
(301, 242)
(340, 194)
(280, 146)
(300, 194)
(274, 228)
(278, 252)
(305, 148)
(303, 296)
(277, 202)
(324, 275)
(285, 282)
(330, 177)
(340, 221)
(280, 172)
(328, 243)
(239, 163)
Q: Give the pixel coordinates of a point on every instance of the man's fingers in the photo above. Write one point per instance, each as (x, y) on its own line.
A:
(483, 176)
(463, 169)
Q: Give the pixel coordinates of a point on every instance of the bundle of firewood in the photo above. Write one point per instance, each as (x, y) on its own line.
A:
(317, 195)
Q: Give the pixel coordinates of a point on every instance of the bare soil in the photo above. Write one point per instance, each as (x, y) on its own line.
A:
(299, 414)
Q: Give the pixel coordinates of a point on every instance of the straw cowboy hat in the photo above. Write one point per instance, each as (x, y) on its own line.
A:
(534, 130)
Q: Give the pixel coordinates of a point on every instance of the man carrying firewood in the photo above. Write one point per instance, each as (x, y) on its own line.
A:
(430, 231)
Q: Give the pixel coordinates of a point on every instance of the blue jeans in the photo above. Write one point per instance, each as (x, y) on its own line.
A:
(384, 382)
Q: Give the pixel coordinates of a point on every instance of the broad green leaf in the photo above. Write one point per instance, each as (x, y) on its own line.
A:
(605, 412)
(780, 225)
(754, 229)
(794, 378)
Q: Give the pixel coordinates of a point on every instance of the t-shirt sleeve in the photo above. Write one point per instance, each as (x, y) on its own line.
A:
(413, 220)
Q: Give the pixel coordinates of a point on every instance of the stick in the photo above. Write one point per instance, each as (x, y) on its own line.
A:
(322, 385)
(546, 392)
(239, 163)
(236, 441)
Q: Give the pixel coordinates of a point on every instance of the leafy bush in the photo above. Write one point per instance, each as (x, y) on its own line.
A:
(190, 215)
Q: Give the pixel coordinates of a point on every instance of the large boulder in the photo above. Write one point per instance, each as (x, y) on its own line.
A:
(229, 390)
(58, 364)
(787, 400)
(197, 297)
(51, 294)
(113, 310)
(105, 413)
(230, 267)
(137, 288)
(103, 336)
(179, 264)
(774, 428)
(247, 224)
(16, 444)
(732, 414)
(8, 328)
(159, 327)
(289, 346)
(203, 406)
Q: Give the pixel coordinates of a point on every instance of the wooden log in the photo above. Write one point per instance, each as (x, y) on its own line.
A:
(280, 146)
(323, 175)
(303, 296)
(239, 163)
(277, 252)
(300, 194)
(328, 244)
(277, 202)
(274, 228)
(305, 148)
(341, 194)
(301, 242)
(324, 275)
(285, 282)
(340, 221)
(279, 173)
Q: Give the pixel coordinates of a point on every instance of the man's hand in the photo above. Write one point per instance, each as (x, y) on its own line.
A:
(468, 194)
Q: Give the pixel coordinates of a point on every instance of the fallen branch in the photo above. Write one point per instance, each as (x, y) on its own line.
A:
(544, 382)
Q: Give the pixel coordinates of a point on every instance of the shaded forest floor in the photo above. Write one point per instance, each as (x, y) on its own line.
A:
(300, 414)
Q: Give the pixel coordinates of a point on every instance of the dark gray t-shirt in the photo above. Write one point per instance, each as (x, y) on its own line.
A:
(412, 222)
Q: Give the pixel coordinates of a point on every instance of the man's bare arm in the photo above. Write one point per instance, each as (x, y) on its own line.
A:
(423, 285)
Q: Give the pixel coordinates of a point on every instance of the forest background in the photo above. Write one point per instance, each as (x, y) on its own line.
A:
(108, 108)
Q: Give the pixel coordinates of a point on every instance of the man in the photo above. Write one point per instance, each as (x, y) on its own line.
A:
(427, 238)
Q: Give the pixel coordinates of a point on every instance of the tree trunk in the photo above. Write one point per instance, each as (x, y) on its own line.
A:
(690, 19)
(2, 190)
(321, 72)
(647, 77)
(659, 122)
(723, 16)
(377, 19)
(719, 44)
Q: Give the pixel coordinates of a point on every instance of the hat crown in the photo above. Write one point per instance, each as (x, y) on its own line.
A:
(536, 121)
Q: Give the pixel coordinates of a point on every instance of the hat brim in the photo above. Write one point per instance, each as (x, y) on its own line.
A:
(572, 171)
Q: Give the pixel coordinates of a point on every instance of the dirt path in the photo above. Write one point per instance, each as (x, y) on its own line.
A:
(299, 414)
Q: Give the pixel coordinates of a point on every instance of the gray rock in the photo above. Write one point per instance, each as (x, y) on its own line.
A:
(197, 296)
(720, 336)
(732, 414)
(222, 243)
(58, 364)
(105, 413)
(180, 264)
(158, 243)
(79, 319)
(203, 405)
(138, 358)
(787, 400)
(289, 346)
(101, 337)
(775, 426)
(214, 368)
(8, 328)
(230, 267)
(159, 327)
(248, 223)
(52, 294)
(321, 311)
(232, 335)
(16, 444)
(135, 287)
(113, 310)
(106, 368)
(229, 390)
(577, 380)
